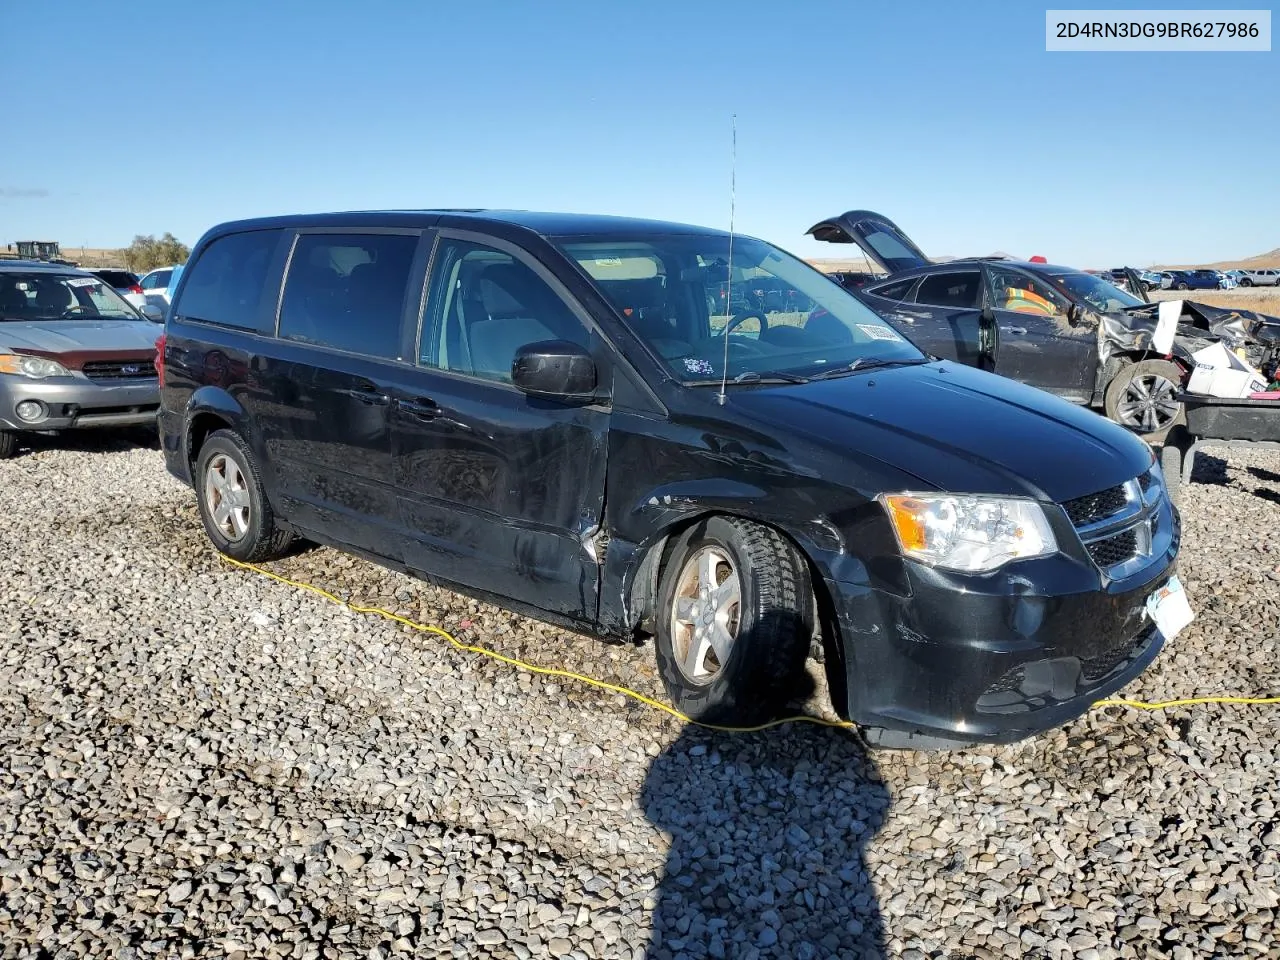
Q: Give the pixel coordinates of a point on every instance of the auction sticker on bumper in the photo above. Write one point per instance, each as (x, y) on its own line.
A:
(1170, 609)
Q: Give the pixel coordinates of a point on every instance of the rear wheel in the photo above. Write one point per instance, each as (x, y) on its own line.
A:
(1144, 397)
(233, 505)
(734, 622)
(8, 444)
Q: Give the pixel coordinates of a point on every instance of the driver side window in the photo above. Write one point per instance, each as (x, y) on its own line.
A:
(484, 304)
(1022, 293)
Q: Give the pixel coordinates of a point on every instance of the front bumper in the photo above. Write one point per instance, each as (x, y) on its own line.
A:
(951, 661)
(75, 402)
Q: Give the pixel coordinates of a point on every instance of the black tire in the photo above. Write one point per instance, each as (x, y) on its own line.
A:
(1171, 466)
(1146, 370)
(262, 538)
(1182, 286)
(1246, 282)
(8, 444)
(774, 624)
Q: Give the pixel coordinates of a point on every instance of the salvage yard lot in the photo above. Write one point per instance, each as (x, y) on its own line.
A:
(199, 761)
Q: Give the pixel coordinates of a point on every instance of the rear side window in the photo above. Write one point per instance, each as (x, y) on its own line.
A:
(893, 291)
(117, 278)
(225, 285)
(950, 289)
(347, 291)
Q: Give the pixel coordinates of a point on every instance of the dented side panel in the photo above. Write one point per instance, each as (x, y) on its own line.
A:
(503, 493)
(664, 474)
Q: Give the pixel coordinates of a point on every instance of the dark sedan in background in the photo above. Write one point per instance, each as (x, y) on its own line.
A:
(73, 354)
(1071, 333)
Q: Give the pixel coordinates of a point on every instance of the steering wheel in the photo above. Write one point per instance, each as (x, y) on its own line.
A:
(78, 308)
(739, 318)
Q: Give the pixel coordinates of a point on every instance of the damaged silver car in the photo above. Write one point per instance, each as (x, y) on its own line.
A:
(1071, 333)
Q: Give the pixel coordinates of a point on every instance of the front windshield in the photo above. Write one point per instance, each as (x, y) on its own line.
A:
(60, 296)
(784, 320)
(1102, 296)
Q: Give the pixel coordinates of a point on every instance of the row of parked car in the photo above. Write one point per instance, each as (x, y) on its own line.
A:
(1203, 279)
(581, 417)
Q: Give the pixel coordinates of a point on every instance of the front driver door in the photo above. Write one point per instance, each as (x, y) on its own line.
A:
(1039, 345)
(498, 491)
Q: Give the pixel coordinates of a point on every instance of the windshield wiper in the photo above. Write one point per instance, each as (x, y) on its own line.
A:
(866, 363)
(752, 377)
(767, 376)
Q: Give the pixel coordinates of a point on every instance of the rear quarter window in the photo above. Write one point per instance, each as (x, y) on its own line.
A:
(897, 290)
(225, 285)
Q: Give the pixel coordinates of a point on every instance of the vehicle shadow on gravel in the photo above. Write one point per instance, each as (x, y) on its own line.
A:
(90, 441)
(768, 832)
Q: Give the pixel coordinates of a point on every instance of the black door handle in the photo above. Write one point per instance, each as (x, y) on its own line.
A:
(424, 408)
(369, 394)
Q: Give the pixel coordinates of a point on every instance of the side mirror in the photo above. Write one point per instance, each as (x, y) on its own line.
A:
(556, 369)
(1073, 314)
(152, 312)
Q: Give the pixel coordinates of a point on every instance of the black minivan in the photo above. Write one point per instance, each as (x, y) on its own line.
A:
(562, 414)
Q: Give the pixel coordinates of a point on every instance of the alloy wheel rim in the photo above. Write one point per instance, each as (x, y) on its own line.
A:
(705, 614)
(226, 495)
(1150, 403)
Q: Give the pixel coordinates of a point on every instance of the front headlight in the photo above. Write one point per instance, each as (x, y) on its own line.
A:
(35, 367)
(973, 534)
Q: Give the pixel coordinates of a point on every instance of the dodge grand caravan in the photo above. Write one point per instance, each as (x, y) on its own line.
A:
(562, 414)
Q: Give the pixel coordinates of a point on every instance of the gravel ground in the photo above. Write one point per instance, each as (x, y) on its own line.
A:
(201, 762)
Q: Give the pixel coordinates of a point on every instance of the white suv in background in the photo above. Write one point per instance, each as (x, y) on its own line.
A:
(1260, 278)
(157, 287)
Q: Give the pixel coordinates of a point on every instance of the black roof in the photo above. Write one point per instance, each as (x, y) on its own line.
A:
(543, 223)
(973, 263)
(27, 266)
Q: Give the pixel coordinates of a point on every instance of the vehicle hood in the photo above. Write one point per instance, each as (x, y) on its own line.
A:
(879, 237)
(955, 428)
(57, 337)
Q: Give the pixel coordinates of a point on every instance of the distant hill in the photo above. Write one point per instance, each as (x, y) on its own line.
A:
(1269, 259)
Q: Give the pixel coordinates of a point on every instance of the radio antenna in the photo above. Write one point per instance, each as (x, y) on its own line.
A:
(728, 289)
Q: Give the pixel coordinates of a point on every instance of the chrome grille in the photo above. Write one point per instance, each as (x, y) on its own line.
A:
(1117, 526)
(141, 369)
(1096, 506)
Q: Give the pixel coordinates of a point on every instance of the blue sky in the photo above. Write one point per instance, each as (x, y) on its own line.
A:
(950, 118)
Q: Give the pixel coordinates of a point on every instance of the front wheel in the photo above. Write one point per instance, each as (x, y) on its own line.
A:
(735, 617)
(233, 505)
(1183, 286)
(1144, 397)
(8, 444)
(1246, 282)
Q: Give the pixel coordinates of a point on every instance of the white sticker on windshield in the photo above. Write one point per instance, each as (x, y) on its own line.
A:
(694, 365)
(878, 333)
(82, 282)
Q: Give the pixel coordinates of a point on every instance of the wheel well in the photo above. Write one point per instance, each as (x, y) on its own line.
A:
(644, 598)
(198, 430)
(644, 586)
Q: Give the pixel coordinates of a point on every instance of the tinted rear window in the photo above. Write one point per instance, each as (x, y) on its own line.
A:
(225, 285)
(347, 291)
(950, 289)
(117, 278)
(893, 291)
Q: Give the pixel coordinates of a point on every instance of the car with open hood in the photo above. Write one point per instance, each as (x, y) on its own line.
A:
(73, 354)
(655, 431)
(1072, 333)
